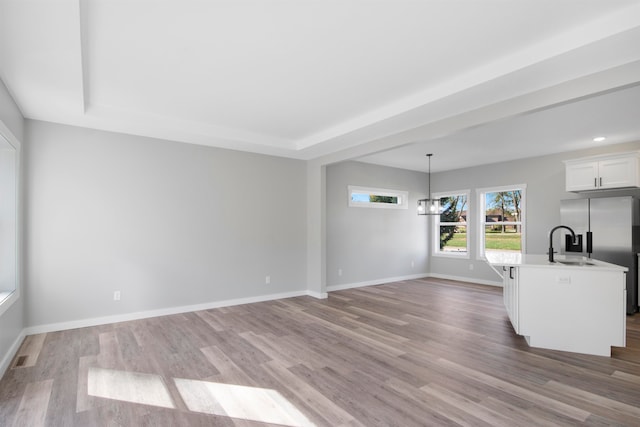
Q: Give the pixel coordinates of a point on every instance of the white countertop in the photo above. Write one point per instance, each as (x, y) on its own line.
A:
(515, 259)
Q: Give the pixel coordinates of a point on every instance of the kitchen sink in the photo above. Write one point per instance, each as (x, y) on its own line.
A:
(575, 262)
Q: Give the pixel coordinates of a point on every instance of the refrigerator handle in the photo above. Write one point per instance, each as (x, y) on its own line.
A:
(589, 242)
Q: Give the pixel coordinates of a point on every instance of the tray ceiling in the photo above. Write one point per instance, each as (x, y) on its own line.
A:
(310, 78)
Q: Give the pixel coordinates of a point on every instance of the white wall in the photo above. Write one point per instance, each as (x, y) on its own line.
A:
(370, 245)
(167, 224)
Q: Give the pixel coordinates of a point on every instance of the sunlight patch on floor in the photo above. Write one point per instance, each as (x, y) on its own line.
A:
(248, 403)
(134, 387)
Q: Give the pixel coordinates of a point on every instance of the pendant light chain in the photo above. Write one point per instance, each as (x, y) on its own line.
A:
(429, 206)
(429, 156)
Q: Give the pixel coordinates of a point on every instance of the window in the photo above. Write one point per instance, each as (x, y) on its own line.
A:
(502, 219)
(377, 198)
(8, 226)
(451, 225)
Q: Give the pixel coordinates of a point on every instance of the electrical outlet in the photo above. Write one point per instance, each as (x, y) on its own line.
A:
(470, 266)
(413, 264)
(116, 295)
(267, 280)
(339, 272)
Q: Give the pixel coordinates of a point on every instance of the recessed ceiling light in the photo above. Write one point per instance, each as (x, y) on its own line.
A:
(599, 139)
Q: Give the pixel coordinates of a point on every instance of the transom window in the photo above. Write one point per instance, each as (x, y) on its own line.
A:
(451, 225)
(365, 197)
(502, 219)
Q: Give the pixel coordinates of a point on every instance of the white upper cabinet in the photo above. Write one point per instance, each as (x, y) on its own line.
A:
(603, 172)
(582, 176)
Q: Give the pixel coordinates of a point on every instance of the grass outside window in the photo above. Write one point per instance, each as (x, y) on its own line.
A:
(494, 241)
(499, 241)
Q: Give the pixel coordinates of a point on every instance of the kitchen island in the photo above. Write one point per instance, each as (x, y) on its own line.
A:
(574, 304)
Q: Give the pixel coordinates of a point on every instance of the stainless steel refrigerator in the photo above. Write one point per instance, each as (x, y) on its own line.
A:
(610, 230)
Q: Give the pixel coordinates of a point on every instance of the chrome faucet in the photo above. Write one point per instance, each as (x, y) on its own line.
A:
(551, 239)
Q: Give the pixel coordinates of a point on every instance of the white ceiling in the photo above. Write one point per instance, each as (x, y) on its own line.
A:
(333, 78)
(565, 127)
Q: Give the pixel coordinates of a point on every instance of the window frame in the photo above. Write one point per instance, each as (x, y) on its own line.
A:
(403, 196)
(11, 296)
(482, 220)
(437, 224)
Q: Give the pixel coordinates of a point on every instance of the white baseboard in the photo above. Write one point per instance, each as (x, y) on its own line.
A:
(466, 279)
(375, 282)
(8, 356)
(318, 295)
(52, 327)
(83, 323)
(333, 288)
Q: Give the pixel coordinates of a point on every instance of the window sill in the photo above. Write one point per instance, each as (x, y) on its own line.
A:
(456, 255)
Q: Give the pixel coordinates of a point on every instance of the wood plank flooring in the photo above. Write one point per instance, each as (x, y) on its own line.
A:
(415, 353)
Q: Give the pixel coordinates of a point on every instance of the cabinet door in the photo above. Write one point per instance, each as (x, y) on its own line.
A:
(616, 173)
(582, 176)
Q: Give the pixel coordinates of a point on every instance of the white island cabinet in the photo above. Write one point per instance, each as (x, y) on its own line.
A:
(578, 307)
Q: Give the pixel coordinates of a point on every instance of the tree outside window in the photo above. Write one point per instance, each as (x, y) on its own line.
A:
(502, 214)
(452, 225)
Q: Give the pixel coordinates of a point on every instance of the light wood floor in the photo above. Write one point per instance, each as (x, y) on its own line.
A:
(414, 353)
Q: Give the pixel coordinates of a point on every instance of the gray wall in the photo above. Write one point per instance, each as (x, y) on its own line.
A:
(12, 320)
(545, 180)
(167, 224)
(373, 244)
